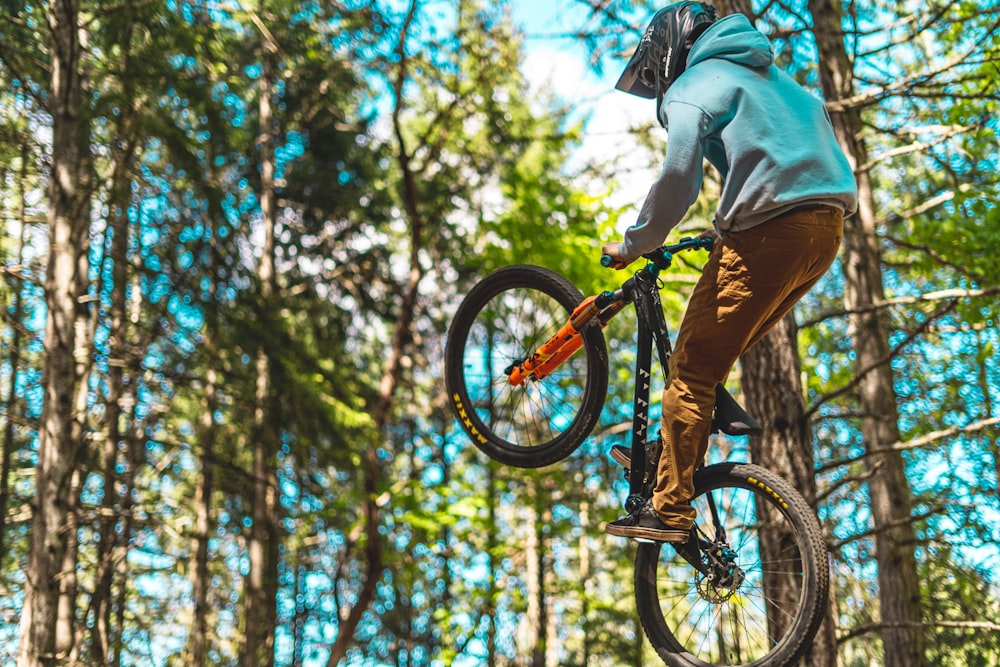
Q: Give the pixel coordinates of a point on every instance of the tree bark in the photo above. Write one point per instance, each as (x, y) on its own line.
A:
(46, 639)
(889, 491)
(11, 403)
(134, 439)
(727, 7)
(372, 473)
(262, 580)
(104, 631)
(492, 501)
(585, 574)
(536, 617)
(773, 388)
(198, 641)
(134, 459)
(65, 640)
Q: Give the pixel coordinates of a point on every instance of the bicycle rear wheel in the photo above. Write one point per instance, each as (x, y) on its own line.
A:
(763, 606)
(505, 318)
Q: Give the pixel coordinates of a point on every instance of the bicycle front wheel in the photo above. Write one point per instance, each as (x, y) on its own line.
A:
(502, 321)
(765, 593)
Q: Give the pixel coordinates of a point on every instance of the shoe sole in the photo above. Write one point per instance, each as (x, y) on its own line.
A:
(639, 533)
(621, 457)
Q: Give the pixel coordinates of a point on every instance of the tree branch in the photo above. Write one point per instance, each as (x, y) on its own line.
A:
(903, 86)
(850, 479)
(928, 297)
(937, 509)
(922, 441)
(872, 627)
(944, 134)
(930, 252)
(933, 202)
(884, 360)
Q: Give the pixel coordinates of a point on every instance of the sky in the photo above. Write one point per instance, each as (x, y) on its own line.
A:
(561, 65)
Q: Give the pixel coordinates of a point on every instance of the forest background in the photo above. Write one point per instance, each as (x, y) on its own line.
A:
(234, 233)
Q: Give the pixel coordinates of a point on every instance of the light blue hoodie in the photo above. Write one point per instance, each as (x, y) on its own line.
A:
(769, 138)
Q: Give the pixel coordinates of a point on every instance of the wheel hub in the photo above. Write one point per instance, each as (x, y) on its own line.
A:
(724, 576)
(716, 590)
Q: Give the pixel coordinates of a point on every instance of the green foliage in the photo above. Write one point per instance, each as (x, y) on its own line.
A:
(931, 141)
(397, 131)
(962, 605)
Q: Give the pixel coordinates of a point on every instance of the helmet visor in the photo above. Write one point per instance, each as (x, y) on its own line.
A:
(638, 78)
(660, 57)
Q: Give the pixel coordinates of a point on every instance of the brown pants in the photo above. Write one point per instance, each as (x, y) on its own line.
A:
(752, 279)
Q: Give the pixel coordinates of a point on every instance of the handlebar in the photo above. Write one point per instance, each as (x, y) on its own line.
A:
(663, 256)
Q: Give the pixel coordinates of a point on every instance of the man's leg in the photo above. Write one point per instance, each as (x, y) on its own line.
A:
(751, 280)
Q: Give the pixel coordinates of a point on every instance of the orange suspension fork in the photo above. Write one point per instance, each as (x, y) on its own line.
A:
(563, 344)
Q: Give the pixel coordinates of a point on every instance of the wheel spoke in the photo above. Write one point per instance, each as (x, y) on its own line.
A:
(535, 413)
(502, 322)
(753, 606)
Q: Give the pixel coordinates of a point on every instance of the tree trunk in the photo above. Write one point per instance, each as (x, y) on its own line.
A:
(445, 537)
(727, 7)
(262, 580)
(11, 403)
(636, 654)
(123, 150)
(993, 444)
(300, 561)
(65, 644)
(899, 586)
(198, 640)
(773, 388)
(372, 473)
(534, 631)
(134, 440)
(101, 631)
(50, 581)
(585, 574)
(491, 549)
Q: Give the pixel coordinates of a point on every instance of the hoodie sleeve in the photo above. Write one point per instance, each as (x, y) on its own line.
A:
(678, 185)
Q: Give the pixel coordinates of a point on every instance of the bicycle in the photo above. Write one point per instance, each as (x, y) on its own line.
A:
(526, 369)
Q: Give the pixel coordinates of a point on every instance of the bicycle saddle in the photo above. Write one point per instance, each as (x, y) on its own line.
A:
(730, 417)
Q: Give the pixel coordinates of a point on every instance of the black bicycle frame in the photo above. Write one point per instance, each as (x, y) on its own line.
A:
(709, 556)
(643, 291)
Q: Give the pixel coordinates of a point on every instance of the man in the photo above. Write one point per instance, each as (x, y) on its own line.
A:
(786, 188)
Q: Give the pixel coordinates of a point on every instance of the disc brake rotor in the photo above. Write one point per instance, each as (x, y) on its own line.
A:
(717, 592)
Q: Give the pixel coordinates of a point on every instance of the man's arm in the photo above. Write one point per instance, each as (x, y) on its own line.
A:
(677, 187)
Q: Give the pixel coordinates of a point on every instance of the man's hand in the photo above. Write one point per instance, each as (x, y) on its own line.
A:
(710, 233)
(613, 250)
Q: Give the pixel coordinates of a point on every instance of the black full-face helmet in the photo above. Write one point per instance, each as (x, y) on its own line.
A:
(662, 54)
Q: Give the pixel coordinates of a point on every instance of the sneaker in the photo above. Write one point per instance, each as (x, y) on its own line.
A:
(622, 455)
(645, 525)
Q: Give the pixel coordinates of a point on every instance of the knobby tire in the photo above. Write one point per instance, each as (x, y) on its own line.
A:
(771, 619)
(503, 319)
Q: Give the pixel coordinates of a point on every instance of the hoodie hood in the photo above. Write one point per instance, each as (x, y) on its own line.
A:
(732, 38)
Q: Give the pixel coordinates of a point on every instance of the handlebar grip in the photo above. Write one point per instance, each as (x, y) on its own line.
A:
(704, 242)
(607, 261)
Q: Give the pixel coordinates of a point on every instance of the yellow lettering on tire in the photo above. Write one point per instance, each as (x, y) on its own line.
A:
(774, 494)
(466, 421)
